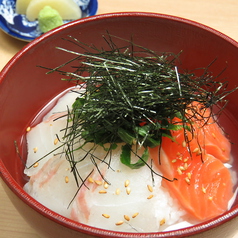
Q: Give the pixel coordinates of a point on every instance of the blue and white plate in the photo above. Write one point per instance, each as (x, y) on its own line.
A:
(19, 27)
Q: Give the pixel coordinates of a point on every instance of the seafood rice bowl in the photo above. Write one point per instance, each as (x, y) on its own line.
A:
(123, 131)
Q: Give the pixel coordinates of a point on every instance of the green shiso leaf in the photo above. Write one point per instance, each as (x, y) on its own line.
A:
(126, 136)
(125, 157)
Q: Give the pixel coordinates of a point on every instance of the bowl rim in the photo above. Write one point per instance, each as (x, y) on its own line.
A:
(79, 227)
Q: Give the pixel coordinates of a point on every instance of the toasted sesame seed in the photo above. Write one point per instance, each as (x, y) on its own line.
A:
(90, 180)
(204, 190)
(119, 223)
(180, 158)
(135, 214)
(127, 217)
(210, 198)
(127, 182)
(149, 197)
(187, 180)
(106, 185)
(179, 171)
(199, 152)
(28, 128)
(214, 136)
(162, 222)
(174, 161)
(105, 215)
(56, 141)
(189, 175)
(128, 190)
(178, 153)
(102, 191)
(150, 188)
(98, 182)
(182, 168)
(185, 160)
(66, 179)
(35, 149)
(185, 166)
(196, 150)
(118, 191)
(36, 165)
(184, 144)
(223, 149)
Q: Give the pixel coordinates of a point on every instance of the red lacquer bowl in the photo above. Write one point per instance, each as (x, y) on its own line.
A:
(25, 89)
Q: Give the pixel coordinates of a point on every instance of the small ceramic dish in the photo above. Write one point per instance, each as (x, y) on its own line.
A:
(17, 25)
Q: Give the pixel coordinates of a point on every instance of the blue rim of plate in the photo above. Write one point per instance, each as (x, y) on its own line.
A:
(17, 26)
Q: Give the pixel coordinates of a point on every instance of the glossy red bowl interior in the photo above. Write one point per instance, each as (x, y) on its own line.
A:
(25, 89)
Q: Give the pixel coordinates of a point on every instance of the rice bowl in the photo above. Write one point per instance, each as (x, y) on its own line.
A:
(54, 87)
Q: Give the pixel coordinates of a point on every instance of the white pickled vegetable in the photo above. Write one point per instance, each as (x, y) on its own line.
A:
(67, 9)
(21, 6)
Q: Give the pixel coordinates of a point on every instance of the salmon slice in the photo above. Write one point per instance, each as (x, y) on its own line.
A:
(208, 135)
(204, 185)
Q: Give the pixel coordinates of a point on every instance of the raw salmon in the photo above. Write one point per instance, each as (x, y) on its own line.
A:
(207, 134)
(204, 185)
